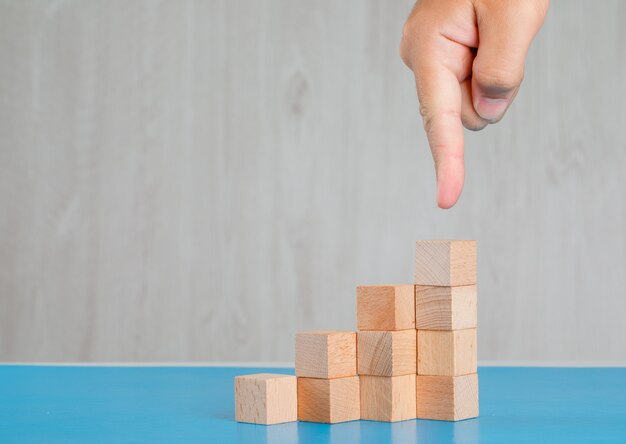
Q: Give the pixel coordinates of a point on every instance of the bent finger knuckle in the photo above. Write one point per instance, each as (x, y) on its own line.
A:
(498, 79)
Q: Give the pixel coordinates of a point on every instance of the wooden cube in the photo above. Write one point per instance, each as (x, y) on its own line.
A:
(445, 308)
(328, 400)
(326, 354)
(388, 399)
(446, 353)
(266, 398)
(387, 353)
(447, 398)
(385, 307)
(445, 263)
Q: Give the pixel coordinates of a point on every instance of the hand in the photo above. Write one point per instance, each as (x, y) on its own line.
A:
(468, 60)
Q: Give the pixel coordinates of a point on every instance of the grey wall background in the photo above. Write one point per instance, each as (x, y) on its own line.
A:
(199, 180)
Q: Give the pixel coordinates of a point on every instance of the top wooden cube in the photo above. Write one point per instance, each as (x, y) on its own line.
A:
(326, 354)
(445, 263)
(385, 307)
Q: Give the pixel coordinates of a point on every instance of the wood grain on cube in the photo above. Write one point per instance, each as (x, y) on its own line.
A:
(266, 398)
(329, 400)
(387, 353)
(326, 354)
(447, 398)
(445, 308)
(446, 353)
(388, 398)
(445, 263)
(385, 307)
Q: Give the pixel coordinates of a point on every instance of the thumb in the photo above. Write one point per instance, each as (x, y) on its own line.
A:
(506, 30)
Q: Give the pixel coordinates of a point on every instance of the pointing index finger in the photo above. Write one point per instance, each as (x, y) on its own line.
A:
(440, 105)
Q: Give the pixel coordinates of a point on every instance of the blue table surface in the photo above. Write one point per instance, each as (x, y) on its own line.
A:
(44, 404)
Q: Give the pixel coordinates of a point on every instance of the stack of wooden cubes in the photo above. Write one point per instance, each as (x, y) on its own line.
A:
(413, 356)
(446, 320)
(328, 385)
(387, 352)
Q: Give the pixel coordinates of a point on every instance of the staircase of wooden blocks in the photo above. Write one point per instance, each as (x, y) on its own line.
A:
(413, 354)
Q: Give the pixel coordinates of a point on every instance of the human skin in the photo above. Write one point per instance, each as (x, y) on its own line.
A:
(468, 60)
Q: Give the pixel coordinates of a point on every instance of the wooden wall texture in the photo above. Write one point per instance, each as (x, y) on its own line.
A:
(191, 181)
